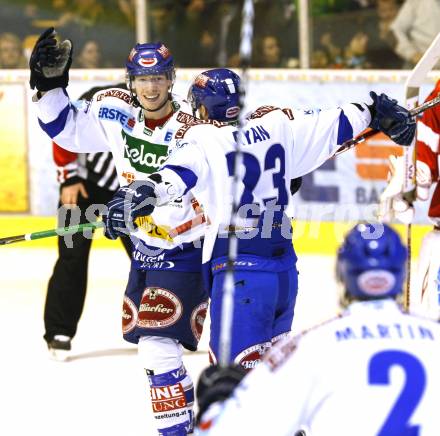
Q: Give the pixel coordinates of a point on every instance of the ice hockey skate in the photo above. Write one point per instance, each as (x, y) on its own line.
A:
(59, 348)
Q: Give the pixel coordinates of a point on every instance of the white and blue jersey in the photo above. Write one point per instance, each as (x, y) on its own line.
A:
(110, 122)
(277, 146)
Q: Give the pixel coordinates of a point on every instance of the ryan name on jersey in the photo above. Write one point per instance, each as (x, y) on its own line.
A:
(252, 135)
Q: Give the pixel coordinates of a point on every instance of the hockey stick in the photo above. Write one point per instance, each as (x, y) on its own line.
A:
(61, 231)
(229, 286)
(412, 90)
(347, 145)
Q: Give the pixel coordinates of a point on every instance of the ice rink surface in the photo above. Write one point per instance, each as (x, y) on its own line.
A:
(102, 389)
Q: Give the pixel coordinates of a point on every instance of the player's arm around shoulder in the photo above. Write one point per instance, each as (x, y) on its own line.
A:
(188, 154)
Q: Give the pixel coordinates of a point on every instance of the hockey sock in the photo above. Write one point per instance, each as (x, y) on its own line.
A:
(171, 388)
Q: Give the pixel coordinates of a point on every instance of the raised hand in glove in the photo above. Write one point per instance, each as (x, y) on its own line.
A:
(50, 62)
(128, 203)
(216, 384)
(393, 120)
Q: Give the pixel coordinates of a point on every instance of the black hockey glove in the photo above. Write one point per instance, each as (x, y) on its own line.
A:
(393, 120)
(216, 384)
(50, 62)
(128, 203)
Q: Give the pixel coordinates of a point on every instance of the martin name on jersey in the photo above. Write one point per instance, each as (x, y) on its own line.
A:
(111, 122)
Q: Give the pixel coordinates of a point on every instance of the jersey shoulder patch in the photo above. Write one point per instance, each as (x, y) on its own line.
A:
(114, 93)
(189, 121)
(281, 352)
(264, 110)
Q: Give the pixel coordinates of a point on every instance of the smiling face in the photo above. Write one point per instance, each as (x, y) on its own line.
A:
(152, 93)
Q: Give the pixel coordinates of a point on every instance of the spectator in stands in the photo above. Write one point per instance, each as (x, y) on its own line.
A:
(128, 10)
(415, 27)
(332, 52)
(382, 43)
(355, 54)
(89, 56)
(228, 27)
(319, 59)
(163, 24)
(11, 51)
(199, 25)
(386, 12)
(268, 53)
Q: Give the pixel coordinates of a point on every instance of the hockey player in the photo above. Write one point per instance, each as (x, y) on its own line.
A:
(425, 290)
(165, 302)
(373, 370)
(278, 146)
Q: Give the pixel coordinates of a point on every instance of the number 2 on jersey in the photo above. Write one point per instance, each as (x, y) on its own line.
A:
(379, 368)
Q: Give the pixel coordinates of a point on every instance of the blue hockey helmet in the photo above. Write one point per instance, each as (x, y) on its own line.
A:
(371, 266)
(219, 91)
(149, 59)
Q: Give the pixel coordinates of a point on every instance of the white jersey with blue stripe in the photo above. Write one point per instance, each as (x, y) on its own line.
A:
(372, 371)
(111, 123)
(277, 146)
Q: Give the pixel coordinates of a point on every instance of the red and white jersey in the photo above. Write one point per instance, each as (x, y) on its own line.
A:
(372, 371)
(428, 148)
(277, 146)
(109, 122)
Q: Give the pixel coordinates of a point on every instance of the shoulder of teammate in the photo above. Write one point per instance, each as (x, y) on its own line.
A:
(192, 127)
(262, 111)
(112, 96)
(180, 103)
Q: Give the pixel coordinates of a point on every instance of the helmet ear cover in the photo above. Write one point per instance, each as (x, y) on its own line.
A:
(218, 90)
(371, 266)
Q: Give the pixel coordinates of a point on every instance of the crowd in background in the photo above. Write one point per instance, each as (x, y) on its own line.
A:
(389, 34)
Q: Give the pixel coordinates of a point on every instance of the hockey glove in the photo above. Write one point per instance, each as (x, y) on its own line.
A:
(216, 384)
(50, 62)
(393, 120)
(128, 203)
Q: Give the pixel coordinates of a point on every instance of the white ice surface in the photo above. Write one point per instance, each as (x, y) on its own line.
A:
(102, 389)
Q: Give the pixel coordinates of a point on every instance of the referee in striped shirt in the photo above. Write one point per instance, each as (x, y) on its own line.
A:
(85, 179)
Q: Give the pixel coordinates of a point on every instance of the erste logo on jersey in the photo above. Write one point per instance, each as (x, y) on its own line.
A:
(376, 282)
(158, 308)
(116, 114)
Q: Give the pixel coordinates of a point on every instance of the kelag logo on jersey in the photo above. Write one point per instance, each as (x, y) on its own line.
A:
(144, 156)
(116, 114)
